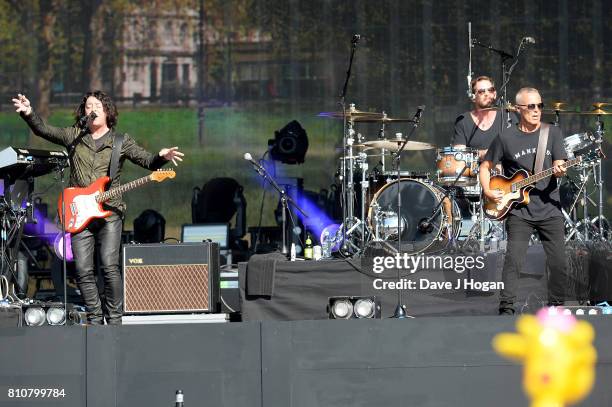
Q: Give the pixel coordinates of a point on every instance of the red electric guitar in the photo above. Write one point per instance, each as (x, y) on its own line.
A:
(84, 204)
(516, 189)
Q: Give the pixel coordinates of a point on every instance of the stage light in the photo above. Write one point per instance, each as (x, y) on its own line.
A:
(56, 316)
(58, 247)
(34, 316)
(342, 309)
(217, 202)
(353, 307)
(290, 144)
(52, 313)
(149, 227)
(365, 308)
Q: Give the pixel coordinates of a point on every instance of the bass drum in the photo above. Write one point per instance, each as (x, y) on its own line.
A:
(418, 199)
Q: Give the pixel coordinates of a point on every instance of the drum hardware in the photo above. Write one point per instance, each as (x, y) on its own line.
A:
(450, 194)
(577, 142)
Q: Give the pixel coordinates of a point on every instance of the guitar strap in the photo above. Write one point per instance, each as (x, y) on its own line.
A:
(541, 153)
(116, 155)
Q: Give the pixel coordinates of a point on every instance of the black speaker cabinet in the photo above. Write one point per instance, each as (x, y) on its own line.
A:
(171, 278)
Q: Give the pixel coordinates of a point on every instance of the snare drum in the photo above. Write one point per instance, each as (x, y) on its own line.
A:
(452, 161)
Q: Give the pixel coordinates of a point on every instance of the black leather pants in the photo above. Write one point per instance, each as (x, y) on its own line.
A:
(107, 234)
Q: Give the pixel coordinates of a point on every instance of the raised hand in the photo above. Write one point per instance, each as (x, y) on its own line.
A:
(22, 104)
(171, 154)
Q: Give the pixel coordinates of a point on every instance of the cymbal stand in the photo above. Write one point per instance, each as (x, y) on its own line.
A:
(598, 176)
(364, 193)
(349, 188)
(383, 151)
(348, 133)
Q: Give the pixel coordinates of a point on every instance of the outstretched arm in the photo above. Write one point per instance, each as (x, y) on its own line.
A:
(58, 135)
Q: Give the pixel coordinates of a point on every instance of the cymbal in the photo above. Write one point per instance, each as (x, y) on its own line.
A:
(558, 106)
(599, 112)
(509, 107)
(599, 105)
(351, 114)
(384, 119)
(395, 144)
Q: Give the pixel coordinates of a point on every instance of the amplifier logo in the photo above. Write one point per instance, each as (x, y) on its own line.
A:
(135, 261)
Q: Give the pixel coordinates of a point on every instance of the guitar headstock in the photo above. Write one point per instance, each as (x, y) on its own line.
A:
(161, 175)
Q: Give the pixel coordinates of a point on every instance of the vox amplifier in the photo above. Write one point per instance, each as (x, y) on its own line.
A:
(171, 278)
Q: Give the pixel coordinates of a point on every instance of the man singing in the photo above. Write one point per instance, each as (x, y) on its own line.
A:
(90, 150)
(516, 149)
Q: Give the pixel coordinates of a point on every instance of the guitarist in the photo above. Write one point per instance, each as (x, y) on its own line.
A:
(90, 143)
(515, 148)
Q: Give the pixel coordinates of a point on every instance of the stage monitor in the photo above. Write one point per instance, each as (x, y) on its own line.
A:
(200, 232)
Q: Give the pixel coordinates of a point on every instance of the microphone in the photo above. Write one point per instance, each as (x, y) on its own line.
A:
(355, 39)
(528, 40)
(249, 157)
(470, 94)
(418, 114)
(84, 119)
(425, 226)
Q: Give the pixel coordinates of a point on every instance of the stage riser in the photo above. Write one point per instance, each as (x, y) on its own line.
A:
(424, 362)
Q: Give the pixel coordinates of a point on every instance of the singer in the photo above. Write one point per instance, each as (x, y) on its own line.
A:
(479, 127)
(90, 150)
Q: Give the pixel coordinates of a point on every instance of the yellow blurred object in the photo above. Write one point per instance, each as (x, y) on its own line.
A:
(557, 353)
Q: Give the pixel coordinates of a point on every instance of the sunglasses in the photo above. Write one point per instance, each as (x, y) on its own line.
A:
(532, 106)
(482, 91)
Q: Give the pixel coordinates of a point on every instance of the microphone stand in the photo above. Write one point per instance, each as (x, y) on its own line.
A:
(400, 309)
(347, 187)
(60, 167)
(285, 199)
(503, 99)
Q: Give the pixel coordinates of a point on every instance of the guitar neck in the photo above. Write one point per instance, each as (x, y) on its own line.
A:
(115, 192)
(544, 174)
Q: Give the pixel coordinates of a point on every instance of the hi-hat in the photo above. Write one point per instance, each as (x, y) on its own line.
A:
(395, 144)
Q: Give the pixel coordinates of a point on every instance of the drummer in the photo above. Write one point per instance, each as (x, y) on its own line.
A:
(477, 128)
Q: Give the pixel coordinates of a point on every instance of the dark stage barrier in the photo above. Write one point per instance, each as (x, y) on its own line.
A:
(273, 288)
(423, 362)
(300, 290)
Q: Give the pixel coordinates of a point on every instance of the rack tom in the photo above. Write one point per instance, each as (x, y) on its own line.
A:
(457, 166)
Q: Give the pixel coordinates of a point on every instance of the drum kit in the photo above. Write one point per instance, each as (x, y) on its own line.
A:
(585, 181)
(415, 212)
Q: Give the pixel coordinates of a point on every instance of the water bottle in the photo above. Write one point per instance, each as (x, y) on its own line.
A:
(308, 248)
(179, 399)
(326, 245)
